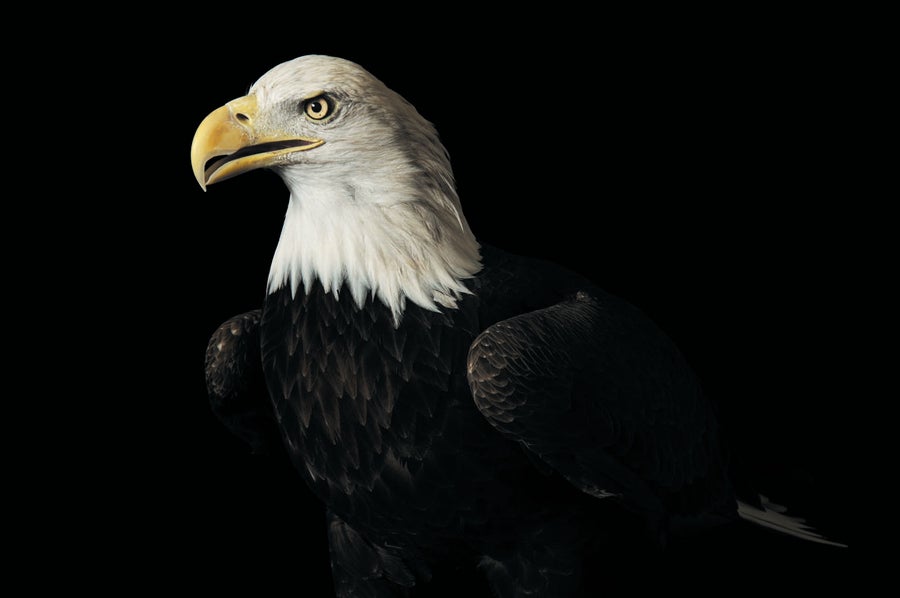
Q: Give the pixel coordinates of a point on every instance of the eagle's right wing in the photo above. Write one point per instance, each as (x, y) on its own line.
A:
(236, 386)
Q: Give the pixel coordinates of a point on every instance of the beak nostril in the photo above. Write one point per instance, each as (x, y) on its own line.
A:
(242, 117)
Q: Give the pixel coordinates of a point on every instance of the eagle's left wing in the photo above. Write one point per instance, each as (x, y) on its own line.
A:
(595, 390)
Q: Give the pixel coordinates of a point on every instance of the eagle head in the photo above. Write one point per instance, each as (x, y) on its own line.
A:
(373, 206)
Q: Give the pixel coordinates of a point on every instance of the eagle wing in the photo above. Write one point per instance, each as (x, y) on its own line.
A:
(595, 390)
(236, 386)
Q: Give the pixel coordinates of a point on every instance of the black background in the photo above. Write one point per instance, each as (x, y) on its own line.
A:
(687, 168)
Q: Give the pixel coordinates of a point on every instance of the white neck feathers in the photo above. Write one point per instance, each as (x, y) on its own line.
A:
(391, 237)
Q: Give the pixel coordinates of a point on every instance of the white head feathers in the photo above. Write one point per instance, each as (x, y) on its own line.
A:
(373, 210)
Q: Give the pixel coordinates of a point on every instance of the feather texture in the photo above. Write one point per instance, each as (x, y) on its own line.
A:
(447, 401)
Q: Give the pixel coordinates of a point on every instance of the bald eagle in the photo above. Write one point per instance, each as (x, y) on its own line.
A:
(446, 400)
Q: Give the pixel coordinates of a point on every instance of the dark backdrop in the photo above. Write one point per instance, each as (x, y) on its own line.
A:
(690, 171)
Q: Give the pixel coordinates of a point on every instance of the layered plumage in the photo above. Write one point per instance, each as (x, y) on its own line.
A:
(446, 401)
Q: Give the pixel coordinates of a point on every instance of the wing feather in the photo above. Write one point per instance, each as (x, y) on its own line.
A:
(593, 388)
(235, 383)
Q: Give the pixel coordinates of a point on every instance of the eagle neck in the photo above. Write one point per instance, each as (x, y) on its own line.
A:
(396, 243)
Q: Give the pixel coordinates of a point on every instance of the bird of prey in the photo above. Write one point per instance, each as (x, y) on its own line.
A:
(446, 400)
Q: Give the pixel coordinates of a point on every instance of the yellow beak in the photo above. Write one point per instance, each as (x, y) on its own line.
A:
(227, 143)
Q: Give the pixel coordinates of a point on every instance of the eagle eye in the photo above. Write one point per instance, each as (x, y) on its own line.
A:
(318, 107)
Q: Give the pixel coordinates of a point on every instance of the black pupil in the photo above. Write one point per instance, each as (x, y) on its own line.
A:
(316, 106)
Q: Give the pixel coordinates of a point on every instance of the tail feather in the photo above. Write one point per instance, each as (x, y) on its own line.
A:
(773, 516)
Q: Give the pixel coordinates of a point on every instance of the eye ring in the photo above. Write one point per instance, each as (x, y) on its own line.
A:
(318, 107)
